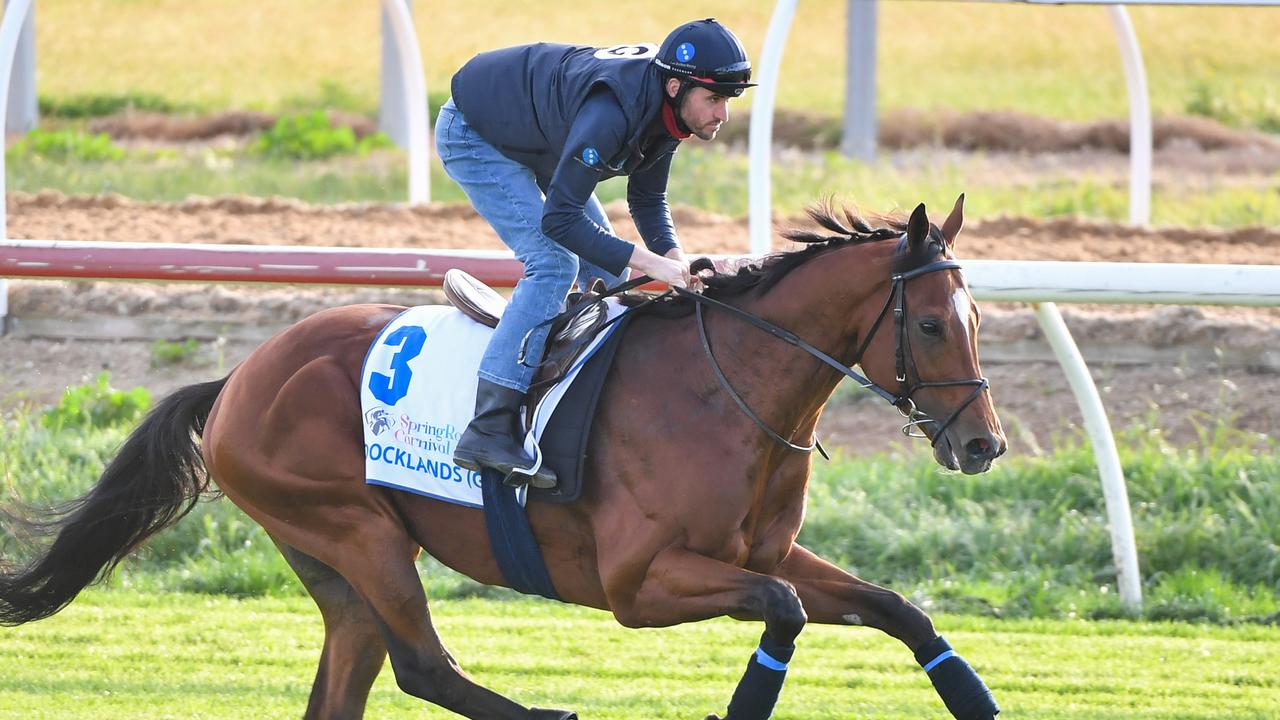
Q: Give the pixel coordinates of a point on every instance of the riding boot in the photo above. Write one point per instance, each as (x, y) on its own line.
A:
(495, 438)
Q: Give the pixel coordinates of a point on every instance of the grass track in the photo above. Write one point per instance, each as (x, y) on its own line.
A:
(123, 655)
(1054, 61)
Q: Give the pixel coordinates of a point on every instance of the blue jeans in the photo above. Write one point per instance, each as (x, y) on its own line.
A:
(506, 194)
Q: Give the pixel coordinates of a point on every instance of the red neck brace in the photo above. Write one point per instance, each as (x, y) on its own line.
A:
(669, 120)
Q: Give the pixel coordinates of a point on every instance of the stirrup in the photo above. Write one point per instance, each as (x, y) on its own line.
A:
(537, 480)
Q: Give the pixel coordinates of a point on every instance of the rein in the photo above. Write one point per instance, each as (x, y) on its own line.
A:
(901, 400)
(904, 363)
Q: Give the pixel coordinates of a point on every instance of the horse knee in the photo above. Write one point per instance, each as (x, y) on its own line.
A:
(784, 615)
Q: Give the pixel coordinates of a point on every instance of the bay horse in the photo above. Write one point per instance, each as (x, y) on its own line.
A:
(692, 506)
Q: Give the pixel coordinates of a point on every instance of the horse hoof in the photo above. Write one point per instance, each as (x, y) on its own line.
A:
(545, 714)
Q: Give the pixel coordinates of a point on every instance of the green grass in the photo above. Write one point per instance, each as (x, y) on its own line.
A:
(1055, 61)
(1027, 540)
(709, 178)
(169, 176)
(126, 655)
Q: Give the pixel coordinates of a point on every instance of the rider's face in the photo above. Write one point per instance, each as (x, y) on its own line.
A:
(704, 111)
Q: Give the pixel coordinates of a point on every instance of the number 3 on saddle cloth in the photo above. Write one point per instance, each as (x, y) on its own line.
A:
(417, 394)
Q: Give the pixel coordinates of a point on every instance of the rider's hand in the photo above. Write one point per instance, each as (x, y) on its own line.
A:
(694, 282)
(663, 269)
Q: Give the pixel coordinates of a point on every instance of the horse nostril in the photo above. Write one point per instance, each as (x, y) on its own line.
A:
(979, 448)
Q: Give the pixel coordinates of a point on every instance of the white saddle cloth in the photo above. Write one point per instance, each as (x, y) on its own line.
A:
(418, 392)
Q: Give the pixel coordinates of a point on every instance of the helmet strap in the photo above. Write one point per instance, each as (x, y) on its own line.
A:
(675, 103)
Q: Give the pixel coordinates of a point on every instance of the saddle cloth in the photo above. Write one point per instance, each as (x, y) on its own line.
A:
(417, 395)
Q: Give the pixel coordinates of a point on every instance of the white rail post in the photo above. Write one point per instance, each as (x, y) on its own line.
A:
(15, 16)
(415, 99)
(392, 114)
(859, 137)
(760, 137)
(1135, 76)
(24, 111)
(1123, 547)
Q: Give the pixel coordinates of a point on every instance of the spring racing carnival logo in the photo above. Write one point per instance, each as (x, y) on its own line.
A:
(378, 420)
(409, 439)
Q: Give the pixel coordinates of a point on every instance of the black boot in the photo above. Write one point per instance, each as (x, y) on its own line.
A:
(495, 438)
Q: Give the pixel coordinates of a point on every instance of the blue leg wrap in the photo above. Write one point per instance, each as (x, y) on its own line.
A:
(962, 691)
(757, 691)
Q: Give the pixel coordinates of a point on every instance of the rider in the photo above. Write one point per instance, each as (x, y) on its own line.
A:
(529, 132)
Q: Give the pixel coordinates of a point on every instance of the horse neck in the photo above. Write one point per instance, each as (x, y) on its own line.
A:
(821, 301)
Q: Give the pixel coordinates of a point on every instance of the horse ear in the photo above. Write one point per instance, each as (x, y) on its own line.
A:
(918, 227)
(951, 228)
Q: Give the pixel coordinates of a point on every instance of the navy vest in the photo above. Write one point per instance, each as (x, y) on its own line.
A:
(523, 100)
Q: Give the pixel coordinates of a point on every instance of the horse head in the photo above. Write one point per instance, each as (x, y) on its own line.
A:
(924, 344)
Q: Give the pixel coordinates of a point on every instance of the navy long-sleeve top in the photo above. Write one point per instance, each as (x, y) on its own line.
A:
(576, 116)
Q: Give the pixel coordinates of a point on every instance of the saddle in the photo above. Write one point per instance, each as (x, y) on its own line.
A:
(568, 337)
(564, 444)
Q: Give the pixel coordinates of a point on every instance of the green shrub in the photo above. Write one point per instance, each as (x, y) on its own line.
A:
(97, 405)
(67, 145)
(312, 136)
(101, 105)
(164, 352)
(1028, 539)
(1234, 106)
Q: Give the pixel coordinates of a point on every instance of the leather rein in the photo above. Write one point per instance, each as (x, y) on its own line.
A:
(905, 364)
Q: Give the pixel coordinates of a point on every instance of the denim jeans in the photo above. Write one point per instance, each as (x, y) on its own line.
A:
(506, 194)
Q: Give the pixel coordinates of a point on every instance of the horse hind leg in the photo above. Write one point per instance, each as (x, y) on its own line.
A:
(353, 649)
(379, 567)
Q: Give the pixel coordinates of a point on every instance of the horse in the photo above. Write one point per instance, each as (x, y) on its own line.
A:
(697, 471)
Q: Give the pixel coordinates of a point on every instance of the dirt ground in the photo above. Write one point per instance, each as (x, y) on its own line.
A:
(1171, 369)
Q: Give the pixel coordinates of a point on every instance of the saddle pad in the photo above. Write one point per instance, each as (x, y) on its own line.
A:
(417, 395)
(564, 443)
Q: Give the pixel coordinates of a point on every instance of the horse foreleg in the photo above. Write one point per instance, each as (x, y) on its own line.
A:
(681, 586)
(833, 596)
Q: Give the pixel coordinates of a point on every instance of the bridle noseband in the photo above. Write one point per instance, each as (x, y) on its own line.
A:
(904, 362)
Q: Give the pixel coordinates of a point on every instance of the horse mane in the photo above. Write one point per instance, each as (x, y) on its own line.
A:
(845, 226)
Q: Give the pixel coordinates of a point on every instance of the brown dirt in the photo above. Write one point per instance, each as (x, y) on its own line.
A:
(163, 127)
(1198, 377)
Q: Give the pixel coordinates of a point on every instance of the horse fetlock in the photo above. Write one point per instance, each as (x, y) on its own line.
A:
(966, 696)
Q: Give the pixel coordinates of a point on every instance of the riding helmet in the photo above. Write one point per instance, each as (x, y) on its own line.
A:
(705, 53)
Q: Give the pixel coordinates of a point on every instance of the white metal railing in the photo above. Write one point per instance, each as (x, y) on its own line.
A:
(15, 16)
(1140, 132)
(413, 90)
(760, 134)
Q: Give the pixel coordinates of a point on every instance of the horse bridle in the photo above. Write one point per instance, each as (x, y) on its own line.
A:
(905, 363)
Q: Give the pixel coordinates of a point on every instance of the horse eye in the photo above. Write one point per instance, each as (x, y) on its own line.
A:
(931, 327)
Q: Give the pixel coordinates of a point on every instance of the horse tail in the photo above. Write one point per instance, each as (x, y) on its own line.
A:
(154, 481)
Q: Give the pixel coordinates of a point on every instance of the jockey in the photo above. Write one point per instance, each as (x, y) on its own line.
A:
(529, 132)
